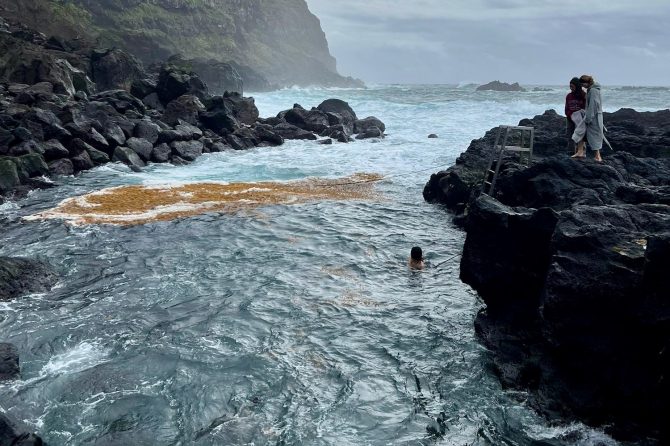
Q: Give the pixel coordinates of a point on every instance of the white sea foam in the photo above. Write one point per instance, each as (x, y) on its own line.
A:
(81, 357)
(8, 207)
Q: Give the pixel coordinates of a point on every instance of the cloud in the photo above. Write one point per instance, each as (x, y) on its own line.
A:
(531, 41)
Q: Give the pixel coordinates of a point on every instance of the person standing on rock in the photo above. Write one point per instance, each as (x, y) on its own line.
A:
(574, 102)
(593, 118)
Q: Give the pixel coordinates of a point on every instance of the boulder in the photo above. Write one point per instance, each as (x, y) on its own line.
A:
(290, 131)
(370, 132)
(54, 150)
(312, 120)
(30, 165)
(339, 112)
(44, 124)
(219, 147)
(244, 109)
(243, 138)
(147, 130)
(98, 157)
(114, 134)
(152, 101)
(363, 125)
(114, 69)
(186, 107)
(30, 65)
(9, 176)
(82, 160)
(95, 139)
(61, 167)
(219, 76)
(141, 88)
(187, 150)
(77, 146)
(121, 100)
(140, 146)
(265, 133)
(161, 153)
(127, 156)
(6, 139)
(219, 116)
(187, 132)
(174, 82)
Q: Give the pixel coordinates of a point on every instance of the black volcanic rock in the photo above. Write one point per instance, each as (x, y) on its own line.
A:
(174, 82)
(220, 77)
(45, 129)
(290, 131)
(501, 86)
(567, 257)
(114, 69)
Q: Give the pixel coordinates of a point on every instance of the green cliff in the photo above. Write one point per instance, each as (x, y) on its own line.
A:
(281, 39)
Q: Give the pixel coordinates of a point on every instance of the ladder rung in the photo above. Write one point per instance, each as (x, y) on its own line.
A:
(492, 171)
(517, 149)
(487, 182)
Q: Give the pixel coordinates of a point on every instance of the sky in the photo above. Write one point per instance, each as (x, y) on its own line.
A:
(533, 42)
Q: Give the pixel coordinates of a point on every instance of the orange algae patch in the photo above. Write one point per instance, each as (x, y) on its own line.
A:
(134, 205)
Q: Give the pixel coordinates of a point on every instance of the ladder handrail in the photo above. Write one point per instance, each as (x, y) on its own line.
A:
(500, 147)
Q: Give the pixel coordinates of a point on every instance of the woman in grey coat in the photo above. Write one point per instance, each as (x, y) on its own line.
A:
(593, 118)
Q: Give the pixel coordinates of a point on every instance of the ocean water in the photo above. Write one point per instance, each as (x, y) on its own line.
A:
(293, 324)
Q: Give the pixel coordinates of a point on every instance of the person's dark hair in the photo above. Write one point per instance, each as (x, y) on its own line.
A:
(577, 83)
(416, 253)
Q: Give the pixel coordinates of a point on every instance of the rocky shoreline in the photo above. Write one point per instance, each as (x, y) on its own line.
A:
(64, 111)
(66, 108)
(569, 259)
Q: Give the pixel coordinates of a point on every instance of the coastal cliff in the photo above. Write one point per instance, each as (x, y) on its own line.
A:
(277, 43)
(569, 257)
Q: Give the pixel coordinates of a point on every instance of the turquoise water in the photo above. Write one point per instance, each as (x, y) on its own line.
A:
(288, 325)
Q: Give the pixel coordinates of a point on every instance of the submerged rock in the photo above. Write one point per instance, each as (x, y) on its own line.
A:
(9, 361)
(20, 276)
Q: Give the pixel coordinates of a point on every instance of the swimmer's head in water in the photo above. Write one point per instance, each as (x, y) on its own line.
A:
(416, 254)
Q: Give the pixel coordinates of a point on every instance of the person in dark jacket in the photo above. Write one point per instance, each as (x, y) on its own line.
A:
(574, 101)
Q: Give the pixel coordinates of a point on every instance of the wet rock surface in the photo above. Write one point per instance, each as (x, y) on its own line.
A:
(567, 257)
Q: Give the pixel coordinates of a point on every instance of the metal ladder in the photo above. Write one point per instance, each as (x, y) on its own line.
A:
(525, 136)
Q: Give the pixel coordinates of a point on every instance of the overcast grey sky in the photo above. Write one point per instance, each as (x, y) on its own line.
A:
(620, 42)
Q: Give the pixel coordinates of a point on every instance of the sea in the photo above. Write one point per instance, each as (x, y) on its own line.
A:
(295, 323)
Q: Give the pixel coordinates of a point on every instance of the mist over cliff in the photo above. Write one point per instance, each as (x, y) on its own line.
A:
(280, 39)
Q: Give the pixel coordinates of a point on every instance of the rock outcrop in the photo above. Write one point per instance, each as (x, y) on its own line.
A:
(272, 43)
(568, 257)
(501, 86)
